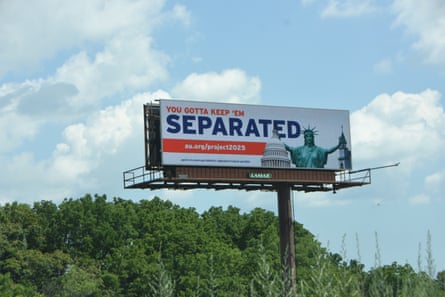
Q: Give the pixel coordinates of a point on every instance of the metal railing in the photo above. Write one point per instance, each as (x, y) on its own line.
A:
(140, 175)
(362, 175)
(356, 176)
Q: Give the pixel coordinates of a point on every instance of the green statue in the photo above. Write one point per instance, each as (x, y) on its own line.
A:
(309, 155)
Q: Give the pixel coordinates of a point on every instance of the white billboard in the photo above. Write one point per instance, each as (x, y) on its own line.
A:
(218, 134)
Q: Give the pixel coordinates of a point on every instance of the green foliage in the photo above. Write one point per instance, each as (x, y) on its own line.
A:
(79, 282)
(94, 247)
(10, 289)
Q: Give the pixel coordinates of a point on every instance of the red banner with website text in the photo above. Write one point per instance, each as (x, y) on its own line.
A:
(170, 145)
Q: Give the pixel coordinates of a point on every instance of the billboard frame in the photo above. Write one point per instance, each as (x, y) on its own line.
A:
(193, 145)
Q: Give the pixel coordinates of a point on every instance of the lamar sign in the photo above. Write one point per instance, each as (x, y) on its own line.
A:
(260, 175)
(217, 134)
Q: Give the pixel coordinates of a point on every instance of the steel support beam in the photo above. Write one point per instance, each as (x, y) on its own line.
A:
(287, 240)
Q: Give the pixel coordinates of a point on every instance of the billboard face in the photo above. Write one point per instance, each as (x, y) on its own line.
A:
(217, 134)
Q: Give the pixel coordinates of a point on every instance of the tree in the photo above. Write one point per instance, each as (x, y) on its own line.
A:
(81, 282)
(10, 289)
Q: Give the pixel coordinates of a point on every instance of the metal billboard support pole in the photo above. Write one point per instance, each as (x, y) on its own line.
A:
(287, 244)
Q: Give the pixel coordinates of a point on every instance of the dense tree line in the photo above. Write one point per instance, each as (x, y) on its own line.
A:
(94, 247)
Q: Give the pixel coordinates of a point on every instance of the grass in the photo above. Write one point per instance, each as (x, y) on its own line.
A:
(328, 278)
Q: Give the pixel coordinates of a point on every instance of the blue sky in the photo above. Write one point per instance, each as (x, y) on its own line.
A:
(74, 76)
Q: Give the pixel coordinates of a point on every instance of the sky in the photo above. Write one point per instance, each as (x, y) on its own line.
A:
(74, 76)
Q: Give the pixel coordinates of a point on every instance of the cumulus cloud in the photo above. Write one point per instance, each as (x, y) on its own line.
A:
(76, 88)
(232, 85)
(88, 150)
(126, 63)
(400, 127)
(32, 32)
(426, 20)
(117, 58)
(348, 8)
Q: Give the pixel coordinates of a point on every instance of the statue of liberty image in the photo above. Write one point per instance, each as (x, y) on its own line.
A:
(309, 155)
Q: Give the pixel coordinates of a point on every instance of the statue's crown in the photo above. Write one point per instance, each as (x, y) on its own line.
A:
(310, 131)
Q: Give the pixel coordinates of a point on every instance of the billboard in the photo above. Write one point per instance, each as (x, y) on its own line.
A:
(239, 135)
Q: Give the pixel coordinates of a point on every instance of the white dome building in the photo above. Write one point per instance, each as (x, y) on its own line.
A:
(275, 154)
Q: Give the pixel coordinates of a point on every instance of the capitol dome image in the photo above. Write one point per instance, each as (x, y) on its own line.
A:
(275, 154)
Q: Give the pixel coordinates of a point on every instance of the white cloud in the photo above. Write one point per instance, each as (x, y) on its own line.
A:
(78, 86)
(126, 63)
(103, 134)
(117, 58)
(26, 107)
(348, 8)
(232, 85)
(400, 127)
(87, 156)
(31, 32)
(426, 20)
